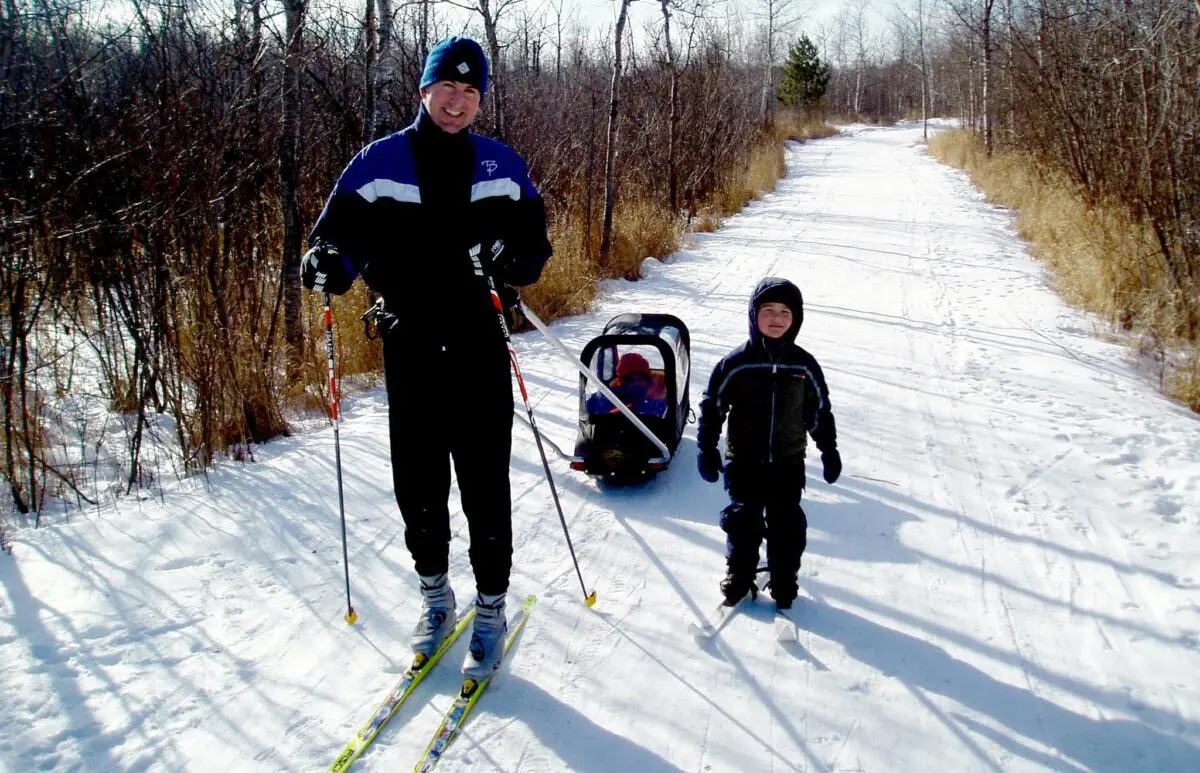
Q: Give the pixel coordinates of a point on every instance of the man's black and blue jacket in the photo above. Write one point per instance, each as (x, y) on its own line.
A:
(772, 391)
(407, 211)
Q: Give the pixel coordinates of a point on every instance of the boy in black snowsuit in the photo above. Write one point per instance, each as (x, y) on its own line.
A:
(774, 394)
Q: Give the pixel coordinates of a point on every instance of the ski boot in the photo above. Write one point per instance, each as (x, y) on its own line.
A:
(783, 589)
(437, 617)
(487, 638)
(736, 585)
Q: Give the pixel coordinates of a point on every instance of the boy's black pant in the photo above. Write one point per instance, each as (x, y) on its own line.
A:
(443, 406)
(773, 491)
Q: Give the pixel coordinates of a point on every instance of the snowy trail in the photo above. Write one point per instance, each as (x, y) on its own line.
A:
(1005, 579)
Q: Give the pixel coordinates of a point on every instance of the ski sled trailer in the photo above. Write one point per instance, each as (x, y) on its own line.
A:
(645, 360)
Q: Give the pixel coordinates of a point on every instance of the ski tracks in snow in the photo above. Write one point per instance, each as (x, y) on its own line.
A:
(977, 605)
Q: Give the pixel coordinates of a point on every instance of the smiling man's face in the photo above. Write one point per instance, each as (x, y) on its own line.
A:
(451, 105)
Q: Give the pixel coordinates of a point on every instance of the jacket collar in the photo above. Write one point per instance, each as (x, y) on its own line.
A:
(430, 133)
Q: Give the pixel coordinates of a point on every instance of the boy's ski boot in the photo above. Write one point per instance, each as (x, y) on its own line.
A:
(783, 590)
(437, 616)
(487, 638)
(736, 585)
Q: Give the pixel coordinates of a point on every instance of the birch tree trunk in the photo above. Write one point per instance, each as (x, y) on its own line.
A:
(490, 21)
(386, 72)
(369, 74)
(289, 183)
(610, 151)
(986, 79)
(673, 120)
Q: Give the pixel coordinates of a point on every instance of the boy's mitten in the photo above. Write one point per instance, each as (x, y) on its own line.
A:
(831, 460)
(709, 463)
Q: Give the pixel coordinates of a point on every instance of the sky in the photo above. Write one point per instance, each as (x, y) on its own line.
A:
(592, 13)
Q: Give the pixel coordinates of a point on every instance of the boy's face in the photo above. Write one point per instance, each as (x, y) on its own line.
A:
(774, 319)
(451, 105)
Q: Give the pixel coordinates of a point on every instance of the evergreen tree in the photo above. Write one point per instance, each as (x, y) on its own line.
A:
(805, 76)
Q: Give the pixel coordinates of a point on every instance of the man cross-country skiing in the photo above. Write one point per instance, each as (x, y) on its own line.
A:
(420, 215)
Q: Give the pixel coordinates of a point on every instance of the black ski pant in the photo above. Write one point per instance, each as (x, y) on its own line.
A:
(446, 405)
(764, 502)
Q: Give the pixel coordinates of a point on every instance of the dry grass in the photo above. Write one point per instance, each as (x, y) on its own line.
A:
(1183, 381)
(1102, 259)
(641, 230)
(765, 166)
(355, 356)
(571, 279)
(799, 126)
(569, 282)
(706, 221)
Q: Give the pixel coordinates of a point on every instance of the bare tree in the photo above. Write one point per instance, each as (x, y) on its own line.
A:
(923, 55)
(673, 118)
(912, 21)
(610, 149)
(778, 16)
(976, 16)
(986, 89)
(861, 33)
(387, 65)
(558, 39)
(289, 181)
(370, 75)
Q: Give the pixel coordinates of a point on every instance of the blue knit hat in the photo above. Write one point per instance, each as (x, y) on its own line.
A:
(456, 59)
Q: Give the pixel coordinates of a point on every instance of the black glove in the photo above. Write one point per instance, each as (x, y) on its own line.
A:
(378, 321)
(831, 460)
(510, 303)
(322, 269)
(709, 464)
(497, 260)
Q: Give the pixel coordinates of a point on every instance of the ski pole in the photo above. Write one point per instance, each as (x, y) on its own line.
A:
(877, 480)
(598, 383)
(351, 616)
(589, 599)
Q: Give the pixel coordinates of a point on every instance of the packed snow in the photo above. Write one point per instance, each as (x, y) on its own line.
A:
(1005, 578)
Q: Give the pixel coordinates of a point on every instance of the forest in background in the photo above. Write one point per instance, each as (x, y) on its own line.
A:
(160, 168)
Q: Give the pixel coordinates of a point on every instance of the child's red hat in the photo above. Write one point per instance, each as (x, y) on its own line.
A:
(632, 363)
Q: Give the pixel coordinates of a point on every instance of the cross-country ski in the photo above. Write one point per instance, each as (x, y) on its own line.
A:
(472, 690)
(404, 688)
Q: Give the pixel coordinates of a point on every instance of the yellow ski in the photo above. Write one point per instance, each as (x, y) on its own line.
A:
(412, 677)
(456, 716)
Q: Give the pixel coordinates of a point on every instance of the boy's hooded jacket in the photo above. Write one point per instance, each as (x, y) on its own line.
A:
(772, 391)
